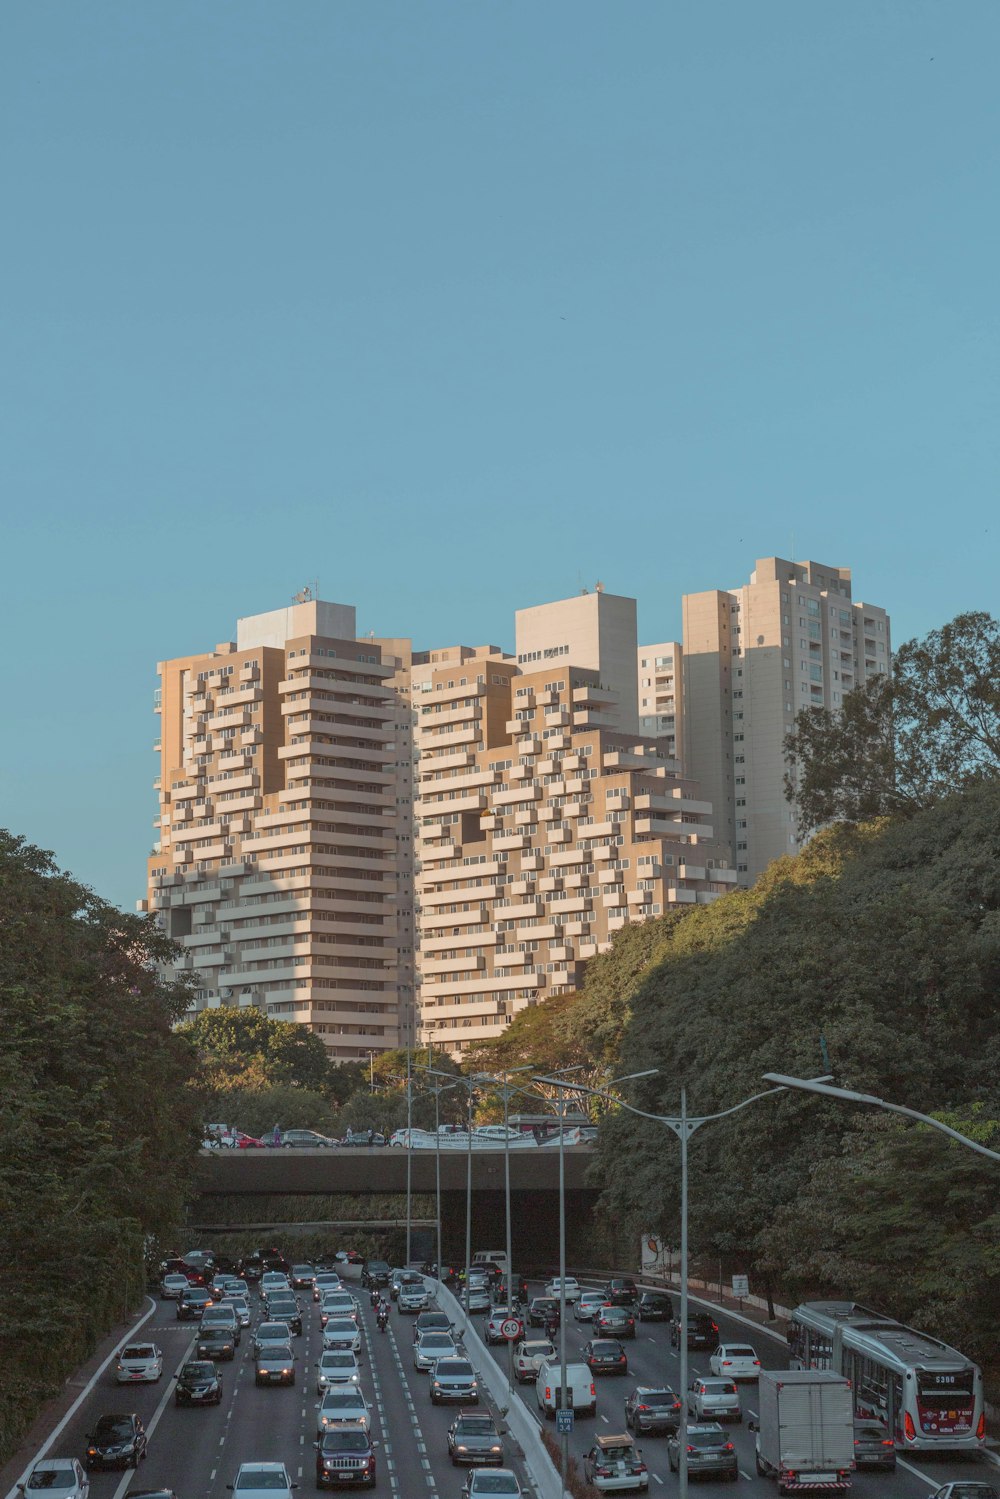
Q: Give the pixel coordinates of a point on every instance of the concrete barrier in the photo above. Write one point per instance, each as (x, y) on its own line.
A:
(520, 1422)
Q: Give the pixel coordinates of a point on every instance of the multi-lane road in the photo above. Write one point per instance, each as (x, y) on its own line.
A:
(196, 1452)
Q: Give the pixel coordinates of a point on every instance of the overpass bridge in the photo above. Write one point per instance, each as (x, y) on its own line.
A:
(360, 1172)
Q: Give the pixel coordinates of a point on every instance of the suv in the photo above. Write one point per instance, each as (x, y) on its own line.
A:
(655, 1306)
(375, 1273)
(192, 1302)
(703, 1332)
(613, 1463)
(622, 1290)
(652, 1409)
(709, 1450)
(117, 1441)
(345, 1454)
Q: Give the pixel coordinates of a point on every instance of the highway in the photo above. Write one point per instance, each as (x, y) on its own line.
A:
(196, 1452)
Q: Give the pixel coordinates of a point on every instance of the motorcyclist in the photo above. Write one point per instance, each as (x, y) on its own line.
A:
(375, 1297)
(382, 1316)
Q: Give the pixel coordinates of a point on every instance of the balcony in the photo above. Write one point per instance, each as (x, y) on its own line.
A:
(518, 794)
(691, 872)
(595, 695)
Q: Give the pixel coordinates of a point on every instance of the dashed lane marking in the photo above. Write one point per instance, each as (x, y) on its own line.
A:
(657, 1477)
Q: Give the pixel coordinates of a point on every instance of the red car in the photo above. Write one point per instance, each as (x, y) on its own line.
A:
(248, 1142)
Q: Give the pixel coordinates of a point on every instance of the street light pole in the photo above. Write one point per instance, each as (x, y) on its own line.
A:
(409, 1155)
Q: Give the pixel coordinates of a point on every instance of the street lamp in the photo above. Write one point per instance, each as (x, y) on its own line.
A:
(562, 1088)
(847, 1095)
(683, 1127)
(437, 1089)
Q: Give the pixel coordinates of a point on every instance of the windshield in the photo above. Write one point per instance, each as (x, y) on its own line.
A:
(738, 1350)
(257, 1478)
(494, 1483)
(705, 1438)
(435, 1340)
(199, 1371)
(341, 1402)
(110, 1429)
(476, 1426)
(345, 1441)
(719, 1387)
(453, 1366)
(659, 1397)
(48, 1478)
(139, 1350)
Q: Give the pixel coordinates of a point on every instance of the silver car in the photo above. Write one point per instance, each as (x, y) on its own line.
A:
(589, 1304)
(413, 1298)
(56, 1478)
(473, 1438)
(454, 1379)
(342, 1407)
(336, 1369)
(274, 1364)
(713, 1400)
(431, 1347)
(341, 1333)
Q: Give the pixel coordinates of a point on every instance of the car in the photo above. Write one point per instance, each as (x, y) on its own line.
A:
(375, 1273)
(198, 1383)
(285, 1309)
(241, 1307)
(735, 1361)
(703, 1331)
(151, 1494)
(340, 1334)
(274, 1280)
(413, 1298)
(431, 1322)
(476, 1298)
(262, 1481)
(192, 1302)
(306, 1139)
(615, 1463)
(345, 1455)
(215, 1342)
(962, 1490)
(654, 1306)
(621, 1290)
(400, 1278)
(713, 1400)
(874, 1446)
(494, 1327)
(271, 1332)
(337, 1304)
(709, 1450)
(139, 1363)
(336, 1367)
(473, 1438)
(454, 1379)
(574, 1290)
(302, 1277)
(491, 1483)
(325, 1280)
(605, 1356)
(224, 1316)
(117, 1441)
(528, 1355)
(615, 1322)
(432, 1346)
(172, 1286)
(541, 1309)
(342, 1406)
(588, 1305)
(238, 1287)
(248, 1142)
(57, 1478)
(274, 1363)
(653, 1408)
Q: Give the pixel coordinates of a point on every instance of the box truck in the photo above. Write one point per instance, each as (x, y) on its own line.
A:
(805, 1429)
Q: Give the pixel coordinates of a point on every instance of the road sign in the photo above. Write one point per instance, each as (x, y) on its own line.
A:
(511, 1329)
(564, 1422)
(741, 1286)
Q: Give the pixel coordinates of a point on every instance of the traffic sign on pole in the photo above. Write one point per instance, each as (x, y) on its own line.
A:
(741, 1286)
(564, 1421)
(511, 1329)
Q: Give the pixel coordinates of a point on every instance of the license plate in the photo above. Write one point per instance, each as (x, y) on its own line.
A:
(822, 1478)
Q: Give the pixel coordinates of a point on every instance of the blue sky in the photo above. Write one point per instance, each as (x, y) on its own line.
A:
(456, 306)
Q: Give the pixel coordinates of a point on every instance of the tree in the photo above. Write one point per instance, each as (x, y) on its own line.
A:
(902, 744)
(245, 1045)
(257, 1110)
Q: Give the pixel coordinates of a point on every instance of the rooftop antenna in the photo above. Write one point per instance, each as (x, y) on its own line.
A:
(304, 596)
(598, 586)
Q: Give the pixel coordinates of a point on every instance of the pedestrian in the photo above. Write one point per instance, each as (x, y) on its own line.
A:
(276, 1134)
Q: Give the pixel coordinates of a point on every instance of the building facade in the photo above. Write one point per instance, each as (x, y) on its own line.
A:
(277, 862)
(661, 694)
(754, 657)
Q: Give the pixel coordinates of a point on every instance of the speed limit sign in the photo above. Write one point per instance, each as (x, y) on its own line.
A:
(511, 1329)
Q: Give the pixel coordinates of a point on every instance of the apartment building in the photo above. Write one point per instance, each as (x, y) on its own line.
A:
(283, 810)
(661, 694)
(753, 657)
(543, 829)
(595, 630)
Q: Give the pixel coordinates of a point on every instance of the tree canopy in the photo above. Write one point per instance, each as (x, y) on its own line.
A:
(902, 743)
(247, 1048)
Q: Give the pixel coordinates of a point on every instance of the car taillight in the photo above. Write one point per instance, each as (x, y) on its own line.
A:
(593, 1391)
(677, 1405)
(726, 1362)
(642, 1407)
(756, 1363)
(638, 1468)
(888, 1442)
(692, 1449)
(908, 1427)
(729, 1447)
(603, 1472)
(548, 1392)
(981, 1428)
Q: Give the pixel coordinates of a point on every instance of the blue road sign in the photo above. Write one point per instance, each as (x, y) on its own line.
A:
(564, 1422)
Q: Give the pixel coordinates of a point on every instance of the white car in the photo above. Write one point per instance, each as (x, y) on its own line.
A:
(56, 1478)
(589, 1304)
(714, 1400)
(171, 1287)
(494, 1327)
(139, 1363)
(574, 1290)
(491, 1483)
(274, 1280)
(432, 1346)
(413, 1298)
(240, 1306)
(342, 1333)
(325, 1280)
(344, 1406)
(735, 1361)
(528, 1357)
(336, 1368)
(337, 1304)
(262, 1481)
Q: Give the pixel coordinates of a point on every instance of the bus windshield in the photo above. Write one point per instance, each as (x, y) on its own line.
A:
(945, 1390)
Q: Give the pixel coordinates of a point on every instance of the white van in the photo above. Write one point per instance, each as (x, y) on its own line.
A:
(581, 1390)
(496, 1257)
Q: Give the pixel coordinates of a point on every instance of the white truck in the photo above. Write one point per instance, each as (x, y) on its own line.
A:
(805, 1429)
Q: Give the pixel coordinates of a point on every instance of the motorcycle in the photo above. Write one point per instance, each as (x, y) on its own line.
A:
(383, 1317)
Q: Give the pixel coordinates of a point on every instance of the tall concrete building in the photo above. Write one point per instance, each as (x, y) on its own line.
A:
(753, 657)
(661, 694)
(281, 822)
(594, 630)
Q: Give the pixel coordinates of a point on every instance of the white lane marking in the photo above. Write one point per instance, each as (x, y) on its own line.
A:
(605, 1420)
(745, 1473)
(902, 1463)
(43, 1449)
(211, 1476)
(649, 1339)
(657, 1477)
(752, 1415)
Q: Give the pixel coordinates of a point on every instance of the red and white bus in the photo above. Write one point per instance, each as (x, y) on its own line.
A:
(930, 1396)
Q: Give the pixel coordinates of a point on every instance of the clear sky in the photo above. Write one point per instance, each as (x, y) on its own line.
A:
(457, 306)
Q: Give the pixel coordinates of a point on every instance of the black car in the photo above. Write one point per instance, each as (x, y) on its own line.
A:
(541, 1310)
(375, 1273)
(198, 1383)
(622, 1290)
(709, 1450)
(285, 1309)
(431, 1322)
(605, 1356)
(703, 1331)
(215, 1342)
(652, 1408)
(873, 1446)
(117, 1441)
(192, 1302)
(655, 1306)
(345, 1455)
(302, 1277)
(408, 1278)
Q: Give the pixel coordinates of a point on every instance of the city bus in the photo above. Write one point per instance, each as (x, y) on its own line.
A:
(930, 1396)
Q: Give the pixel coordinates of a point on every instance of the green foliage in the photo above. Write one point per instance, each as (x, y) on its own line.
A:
(245, 1046)
(903, 744)
(882, 944)
(258, 1110)
(97, 1097)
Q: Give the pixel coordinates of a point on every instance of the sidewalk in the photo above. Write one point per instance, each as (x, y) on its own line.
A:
(53, 1411)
